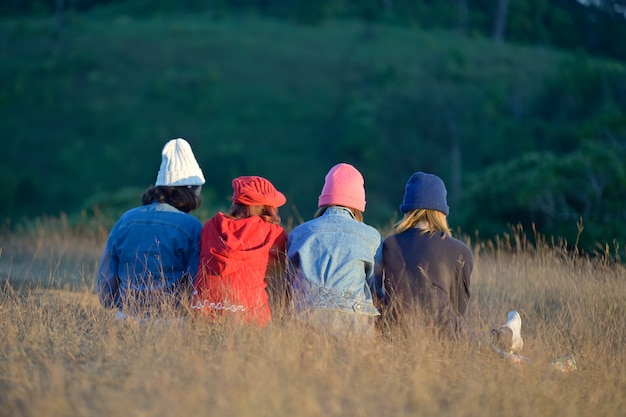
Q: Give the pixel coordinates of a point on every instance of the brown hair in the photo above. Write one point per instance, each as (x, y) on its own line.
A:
(185, 198)
(267, 213)
(357, 214)
(435, 218)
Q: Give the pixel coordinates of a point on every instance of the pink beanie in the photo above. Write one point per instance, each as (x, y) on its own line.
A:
(343, 186)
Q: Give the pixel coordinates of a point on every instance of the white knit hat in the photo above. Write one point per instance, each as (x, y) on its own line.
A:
(178, 165)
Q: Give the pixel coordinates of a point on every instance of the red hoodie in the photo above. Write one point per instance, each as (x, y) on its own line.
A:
(234, 257)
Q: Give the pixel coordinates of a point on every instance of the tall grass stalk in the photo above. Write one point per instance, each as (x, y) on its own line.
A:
(61, 354)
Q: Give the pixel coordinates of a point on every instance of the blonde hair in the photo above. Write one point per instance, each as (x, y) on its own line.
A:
(437, 221)
(357, 214)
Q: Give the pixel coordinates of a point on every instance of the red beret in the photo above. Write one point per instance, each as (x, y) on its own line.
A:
(256, 191)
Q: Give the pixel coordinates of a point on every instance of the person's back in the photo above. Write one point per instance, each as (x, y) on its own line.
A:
(237, 249)
(426, 271)
(334, 258)
(155, 246)
(151, 254)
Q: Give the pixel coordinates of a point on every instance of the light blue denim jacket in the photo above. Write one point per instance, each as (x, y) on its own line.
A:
(333, 261)
(151, 250)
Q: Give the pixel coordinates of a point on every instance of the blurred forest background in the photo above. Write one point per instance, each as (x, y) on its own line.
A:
(520, 105)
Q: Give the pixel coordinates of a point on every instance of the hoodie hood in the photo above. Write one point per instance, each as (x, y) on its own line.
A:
(235, 245)
(248, 234)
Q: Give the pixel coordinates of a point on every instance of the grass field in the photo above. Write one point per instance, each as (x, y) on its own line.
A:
(61, 354)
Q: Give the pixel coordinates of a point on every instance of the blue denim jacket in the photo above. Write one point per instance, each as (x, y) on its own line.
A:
(333, 261)
(152, 251)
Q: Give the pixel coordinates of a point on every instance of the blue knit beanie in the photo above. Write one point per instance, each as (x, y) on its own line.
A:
(425, 191)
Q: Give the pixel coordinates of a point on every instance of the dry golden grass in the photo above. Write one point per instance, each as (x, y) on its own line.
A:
(61, 354)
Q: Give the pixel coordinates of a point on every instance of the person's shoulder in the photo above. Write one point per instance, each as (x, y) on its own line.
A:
(406, 235)
(300, 228)
(277, 232)
(217, 218)
(276, 228)
(390, 238)
(194, 219)
(185, 221)
(135, 210)
(458, 241)
(305, 230)
(182, 217)
(132, 213)
(370, 230)
(459, 245)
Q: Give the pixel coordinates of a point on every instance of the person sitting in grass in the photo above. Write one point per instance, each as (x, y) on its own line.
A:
(334, 259)
(151, 255)
(426, 271)
(236, 251)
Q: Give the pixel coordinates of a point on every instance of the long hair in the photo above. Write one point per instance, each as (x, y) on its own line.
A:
(267, 213)
(357, 214)
(185, 198)
(437, 221)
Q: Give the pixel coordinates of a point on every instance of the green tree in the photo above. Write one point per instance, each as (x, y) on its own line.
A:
(554, 194)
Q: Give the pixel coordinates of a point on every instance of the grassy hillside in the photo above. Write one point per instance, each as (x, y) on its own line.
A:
(62, 354)
(86, 111)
